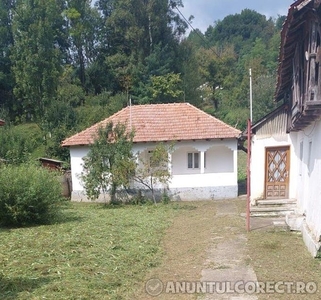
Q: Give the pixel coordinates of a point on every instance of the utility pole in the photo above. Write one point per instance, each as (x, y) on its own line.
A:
(251, 100)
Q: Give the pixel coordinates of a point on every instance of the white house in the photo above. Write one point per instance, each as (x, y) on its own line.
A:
(286, 153)
(203, 162)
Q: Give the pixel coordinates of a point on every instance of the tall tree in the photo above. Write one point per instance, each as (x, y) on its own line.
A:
(36, 54)
(143, 39)
(6, 42)
(83, 25)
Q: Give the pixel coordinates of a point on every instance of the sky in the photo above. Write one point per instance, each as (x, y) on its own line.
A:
(206, 12)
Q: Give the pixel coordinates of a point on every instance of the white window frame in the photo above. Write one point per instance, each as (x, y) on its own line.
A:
(193, 160)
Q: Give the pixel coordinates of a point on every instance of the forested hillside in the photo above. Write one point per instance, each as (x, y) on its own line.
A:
(66, 64)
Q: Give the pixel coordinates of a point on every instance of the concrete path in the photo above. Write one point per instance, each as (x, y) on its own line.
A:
(227, 263)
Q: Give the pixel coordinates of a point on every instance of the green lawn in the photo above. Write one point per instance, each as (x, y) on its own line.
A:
(96, 253)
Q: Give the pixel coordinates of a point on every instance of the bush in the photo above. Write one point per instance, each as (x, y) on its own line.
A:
(29, 195)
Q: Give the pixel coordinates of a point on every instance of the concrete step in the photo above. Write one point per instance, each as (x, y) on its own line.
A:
(271, 214)
(273, 208)
(276, 202)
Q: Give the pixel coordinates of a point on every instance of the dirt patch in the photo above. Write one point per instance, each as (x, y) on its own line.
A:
(185, 247)
(202, 230)
(199, 228)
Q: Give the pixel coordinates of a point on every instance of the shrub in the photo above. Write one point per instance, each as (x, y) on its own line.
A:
(29, 194)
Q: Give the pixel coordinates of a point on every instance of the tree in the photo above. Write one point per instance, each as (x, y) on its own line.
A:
(142, 40)
(153, 170)
(166, 88)
(36, 54)
(109, 162)
(83, 24)
(6, 42)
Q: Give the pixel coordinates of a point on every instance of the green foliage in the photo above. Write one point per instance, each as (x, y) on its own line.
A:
(166, 88)
(241, 29)
(20, 142)
(108, 164)
(152, 169)
(6, 41)
(140, 199)
(37, 27)
(165, 197)
(29, 195)
(69, 64)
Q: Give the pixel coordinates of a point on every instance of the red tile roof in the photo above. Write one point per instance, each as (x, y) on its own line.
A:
(161, 122)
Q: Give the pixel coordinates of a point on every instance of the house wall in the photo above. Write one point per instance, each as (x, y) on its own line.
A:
(217, 180)
(305, 174)
(308, 188)
(76, 160)
(258, 163)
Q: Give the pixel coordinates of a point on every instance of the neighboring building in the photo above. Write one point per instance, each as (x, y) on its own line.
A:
(203, 163)
(288, 140)
(52, 164)
(2, 122)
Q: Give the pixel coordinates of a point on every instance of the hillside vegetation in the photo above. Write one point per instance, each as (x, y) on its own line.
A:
(66, 64)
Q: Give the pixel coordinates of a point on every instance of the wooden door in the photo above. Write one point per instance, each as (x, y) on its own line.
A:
(277, 173)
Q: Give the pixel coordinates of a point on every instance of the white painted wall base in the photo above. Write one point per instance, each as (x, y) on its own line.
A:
(204, 193)
(177, 194)
(313, 246)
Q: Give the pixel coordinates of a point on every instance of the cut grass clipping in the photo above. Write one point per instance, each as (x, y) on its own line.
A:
(98, 253)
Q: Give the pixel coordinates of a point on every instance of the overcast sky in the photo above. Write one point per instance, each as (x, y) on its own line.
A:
(206, 12)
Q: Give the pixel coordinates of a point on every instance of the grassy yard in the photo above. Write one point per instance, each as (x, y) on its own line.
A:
(96, 253)
(282, 256)
(110, 253)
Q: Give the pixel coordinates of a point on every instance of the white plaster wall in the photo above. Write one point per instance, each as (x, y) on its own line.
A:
(203, 180)
(222, 173)
(179, 161)
(258, 164)
(219, 160)
(309, 177)
(76, 162)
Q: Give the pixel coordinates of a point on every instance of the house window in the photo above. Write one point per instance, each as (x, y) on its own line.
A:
(193, 160)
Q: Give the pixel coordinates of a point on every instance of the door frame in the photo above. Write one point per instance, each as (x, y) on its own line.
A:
(288, 166)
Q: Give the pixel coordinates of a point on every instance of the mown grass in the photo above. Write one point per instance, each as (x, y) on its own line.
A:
(95, 253)
(278, 256)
